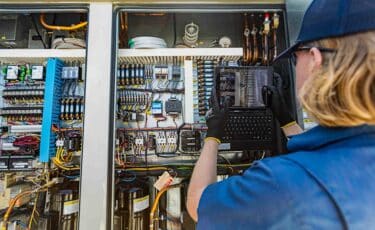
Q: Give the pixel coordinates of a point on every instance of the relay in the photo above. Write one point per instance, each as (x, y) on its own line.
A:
(173, 106)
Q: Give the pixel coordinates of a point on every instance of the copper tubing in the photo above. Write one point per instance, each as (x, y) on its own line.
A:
(265, 60)
(276, 22)
(254, 33)
(65, 28)
(265, 33)
(246, 41)
(274, 44)
(123, 35)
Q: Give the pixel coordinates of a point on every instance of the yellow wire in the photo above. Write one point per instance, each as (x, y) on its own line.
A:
(17, 197)
(66, 28)
(34, 209)
(183, 166)
(155, 204)
(61, 165)
(145, 169)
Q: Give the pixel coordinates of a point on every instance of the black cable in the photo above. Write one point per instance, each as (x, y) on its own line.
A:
(69, 89)
(178, 136)
(54, 19)
(146, 151)
(174, 30)
(37, 31)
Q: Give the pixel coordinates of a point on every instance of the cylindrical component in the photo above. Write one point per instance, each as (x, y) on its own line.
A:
(133, 206)
(132, 74)
(142, 74)
(62, 109)
(137, 75)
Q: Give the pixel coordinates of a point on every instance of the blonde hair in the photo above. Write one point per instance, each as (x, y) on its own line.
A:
(342, 91)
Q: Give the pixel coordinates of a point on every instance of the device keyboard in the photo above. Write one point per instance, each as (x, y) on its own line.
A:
(248, 128)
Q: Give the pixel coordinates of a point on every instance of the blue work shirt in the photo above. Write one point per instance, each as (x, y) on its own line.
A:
(326, 182)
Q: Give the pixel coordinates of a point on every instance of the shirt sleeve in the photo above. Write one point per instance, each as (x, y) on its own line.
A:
(252, 199)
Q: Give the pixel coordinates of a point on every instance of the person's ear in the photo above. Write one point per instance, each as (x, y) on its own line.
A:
(317, 57)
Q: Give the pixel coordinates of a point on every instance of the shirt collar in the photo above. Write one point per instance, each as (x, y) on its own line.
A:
(320, 136)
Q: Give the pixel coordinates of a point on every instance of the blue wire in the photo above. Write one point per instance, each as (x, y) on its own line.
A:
(131, 179)
(71, 177)
(21, 224)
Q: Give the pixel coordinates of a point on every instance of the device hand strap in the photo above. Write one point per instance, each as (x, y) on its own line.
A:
(274, 99)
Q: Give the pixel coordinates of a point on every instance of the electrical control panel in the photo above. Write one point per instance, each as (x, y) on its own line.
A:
(42, 98)
(163, 95)
(165, 76)
(21, 113)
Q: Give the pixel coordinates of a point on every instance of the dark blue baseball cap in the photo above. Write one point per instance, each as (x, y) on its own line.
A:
(333, 18)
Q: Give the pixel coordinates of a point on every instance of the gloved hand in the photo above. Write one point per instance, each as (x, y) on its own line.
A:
(273, 98)
(216, 118)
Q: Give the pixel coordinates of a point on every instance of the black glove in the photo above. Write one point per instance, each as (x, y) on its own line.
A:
(216, 118)
(273, 98)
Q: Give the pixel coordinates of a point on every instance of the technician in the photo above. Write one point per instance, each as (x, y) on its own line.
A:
(327, 181)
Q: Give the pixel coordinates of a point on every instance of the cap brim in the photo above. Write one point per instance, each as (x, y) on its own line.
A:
(286, 53)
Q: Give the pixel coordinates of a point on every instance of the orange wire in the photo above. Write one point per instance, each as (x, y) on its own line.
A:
(66, 28)
(13, 203)
(156, 202)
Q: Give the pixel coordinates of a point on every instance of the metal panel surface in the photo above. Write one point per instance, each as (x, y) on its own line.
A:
(146, 1)
(94, 179)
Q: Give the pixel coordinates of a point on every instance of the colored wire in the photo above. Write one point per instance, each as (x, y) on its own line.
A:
(147, 169)
(131, 179)
(61, 166)
(156, 202)
(34, 209)
(17, 197)
(66, 28)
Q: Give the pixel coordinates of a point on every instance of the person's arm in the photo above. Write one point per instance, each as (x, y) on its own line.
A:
(204, 174)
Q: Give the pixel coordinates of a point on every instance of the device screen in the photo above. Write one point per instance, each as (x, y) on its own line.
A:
(243, 85)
